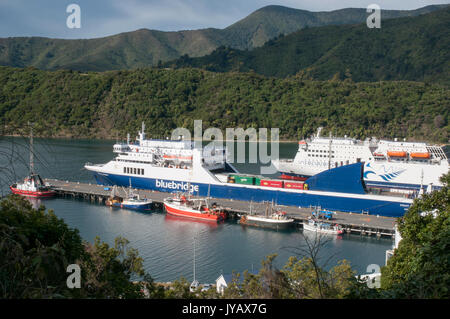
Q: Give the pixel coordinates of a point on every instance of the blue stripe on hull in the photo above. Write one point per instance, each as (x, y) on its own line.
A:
(397, 185)
(135, 207)
(344, 204)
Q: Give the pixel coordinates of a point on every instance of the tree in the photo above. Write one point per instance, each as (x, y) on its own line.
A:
(36, 247)
(420, 266)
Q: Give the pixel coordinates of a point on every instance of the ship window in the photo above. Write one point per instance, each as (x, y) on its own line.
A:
(124, 170)
(142, 171)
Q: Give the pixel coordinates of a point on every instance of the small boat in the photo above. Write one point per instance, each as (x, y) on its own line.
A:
(199, 208)
(33, 185)
(273, 218)
(321, 227)
(132, 201)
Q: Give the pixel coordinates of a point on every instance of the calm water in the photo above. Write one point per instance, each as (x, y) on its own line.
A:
(167, 243)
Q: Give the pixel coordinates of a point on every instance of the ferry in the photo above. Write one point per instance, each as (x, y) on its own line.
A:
(179, 166)
(392, 165)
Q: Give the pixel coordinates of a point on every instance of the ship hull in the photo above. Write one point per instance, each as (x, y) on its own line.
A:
(388, 175)
(393, 207)
(34, 194)
(133, 206)
(322, 231)
(278, 225)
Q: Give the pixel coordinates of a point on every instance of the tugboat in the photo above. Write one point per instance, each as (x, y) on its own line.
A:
(275, 219)
(133, 201)
(33, 185)
(198, 208)
(321, 227)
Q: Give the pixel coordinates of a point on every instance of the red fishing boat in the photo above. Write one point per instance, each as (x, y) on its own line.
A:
(32, 186)
(198, 208)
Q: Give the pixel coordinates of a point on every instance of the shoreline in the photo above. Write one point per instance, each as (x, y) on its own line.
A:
(99, 138)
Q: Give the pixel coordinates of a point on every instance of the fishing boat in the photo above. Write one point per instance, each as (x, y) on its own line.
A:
(132, 201)
(322, 227)
(273, 218)
(199, 208)
(33, 185)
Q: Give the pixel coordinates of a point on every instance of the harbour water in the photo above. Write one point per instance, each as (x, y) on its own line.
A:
(166, 243)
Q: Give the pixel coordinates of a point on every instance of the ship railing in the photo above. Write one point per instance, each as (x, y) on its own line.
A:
(90, 164)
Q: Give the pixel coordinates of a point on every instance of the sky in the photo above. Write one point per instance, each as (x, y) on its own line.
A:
(99, 18)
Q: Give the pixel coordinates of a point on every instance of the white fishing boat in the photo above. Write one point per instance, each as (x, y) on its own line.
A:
(322, 227)
(272, 218)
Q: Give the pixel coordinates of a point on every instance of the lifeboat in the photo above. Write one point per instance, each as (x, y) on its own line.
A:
(396, 154)
(420, 155)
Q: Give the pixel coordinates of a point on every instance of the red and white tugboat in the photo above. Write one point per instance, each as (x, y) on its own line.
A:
(32, 186)
(198, 208)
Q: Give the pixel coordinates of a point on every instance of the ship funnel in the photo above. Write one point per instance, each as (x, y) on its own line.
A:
(142, 132)
(319, 130)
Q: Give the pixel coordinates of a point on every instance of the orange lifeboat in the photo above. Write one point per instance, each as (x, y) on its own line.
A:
(396, 154)
(420, 155)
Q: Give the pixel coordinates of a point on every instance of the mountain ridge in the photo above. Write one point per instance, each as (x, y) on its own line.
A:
(146, 47)
(407, 48)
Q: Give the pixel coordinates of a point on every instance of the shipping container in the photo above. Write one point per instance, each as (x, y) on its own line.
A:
(243, 179)
(271, 183)
(294, 185)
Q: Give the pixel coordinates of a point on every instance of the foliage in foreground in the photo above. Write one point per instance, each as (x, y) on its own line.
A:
(36, 247)
(420, 267)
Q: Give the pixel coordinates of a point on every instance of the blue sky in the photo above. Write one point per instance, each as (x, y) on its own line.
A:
(106, 17)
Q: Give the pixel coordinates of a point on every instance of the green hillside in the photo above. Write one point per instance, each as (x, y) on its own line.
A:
(413, 48)
(147, 47)
(70, 103)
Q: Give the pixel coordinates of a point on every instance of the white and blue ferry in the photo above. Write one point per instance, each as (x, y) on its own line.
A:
(178, 166)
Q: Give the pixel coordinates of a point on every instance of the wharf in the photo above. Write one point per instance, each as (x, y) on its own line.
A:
(362, 224)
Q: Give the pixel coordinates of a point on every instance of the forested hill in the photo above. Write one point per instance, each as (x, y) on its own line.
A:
(413, 48)
(147, 47)
(70, 103)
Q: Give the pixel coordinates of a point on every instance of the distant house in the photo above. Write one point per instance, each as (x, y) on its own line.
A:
(224, 280)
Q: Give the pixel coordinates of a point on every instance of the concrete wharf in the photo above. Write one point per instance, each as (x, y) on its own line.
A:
(363, 224)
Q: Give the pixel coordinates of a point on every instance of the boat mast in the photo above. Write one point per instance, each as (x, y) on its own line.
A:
(31, 149)
(194, 258)
(329, 152)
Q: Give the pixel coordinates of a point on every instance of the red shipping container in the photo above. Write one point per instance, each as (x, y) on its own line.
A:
(293, 185)
(270, 183)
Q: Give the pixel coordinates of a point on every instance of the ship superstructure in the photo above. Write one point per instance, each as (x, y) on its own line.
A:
(397, 165)
(178, 166)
